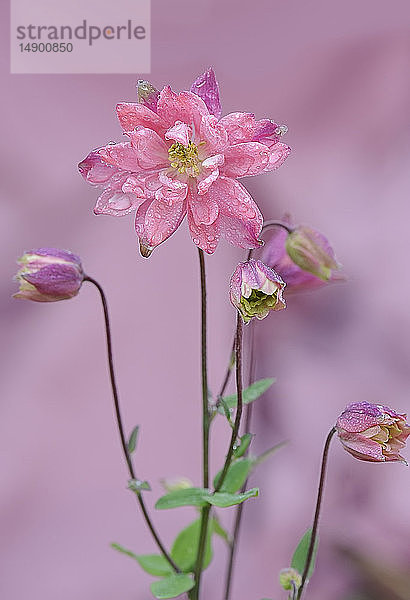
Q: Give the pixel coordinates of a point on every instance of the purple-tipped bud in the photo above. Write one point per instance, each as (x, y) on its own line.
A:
(311, 251)
(49, 275)
(373, 432)
(256, 289)
(147, 94)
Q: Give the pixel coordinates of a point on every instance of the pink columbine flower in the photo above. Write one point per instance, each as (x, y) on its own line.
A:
(373, 432)
(181, 158)
(303, 258)
(255, 290)
(49, 275)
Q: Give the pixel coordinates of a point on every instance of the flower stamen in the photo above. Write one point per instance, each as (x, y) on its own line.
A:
(185, 159)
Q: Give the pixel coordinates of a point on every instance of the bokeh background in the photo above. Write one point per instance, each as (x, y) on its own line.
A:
(337, 73)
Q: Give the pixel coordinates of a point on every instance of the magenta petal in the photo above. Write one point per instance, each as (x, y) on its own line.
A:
(206, 87)
(56, 280)
(242, 160)
(362, 447)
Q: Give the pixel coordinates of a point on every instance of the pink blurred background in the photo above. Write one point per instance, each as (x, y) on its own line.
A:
(337, 73)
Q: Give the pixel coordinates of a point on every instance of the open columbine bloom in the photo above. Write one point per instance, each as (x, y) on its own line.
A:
(181, 158)
(255, 290)
(49, 275)
(373, 432)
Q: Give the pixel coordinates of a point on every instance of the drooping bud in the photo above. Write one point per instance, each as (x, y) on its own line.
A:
(49, 275)
(147, 94)
(290, 579)
(373, 432)
(255, 290)
(178, 483)
(311, 251)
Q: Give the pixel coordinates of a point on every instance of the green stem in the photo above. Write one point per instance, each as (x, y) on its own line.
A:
(205, 430)
(121, 427)
(317, 511)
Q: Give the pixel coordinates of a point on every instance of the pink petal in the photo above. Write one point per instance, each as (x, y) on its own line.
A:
(156, 221)
(95, 170)
(239, 126)
(250, 158)
(207, 180)
(132, 115)
(266, 132)
(239, 217)
(180, 132)
(204, 209)
(213, 134)
(117, 203)
(185, 106)
(121, 155)
(362, 447)
(207, 88)
(204, 236)
(278, 154)
(150, 149)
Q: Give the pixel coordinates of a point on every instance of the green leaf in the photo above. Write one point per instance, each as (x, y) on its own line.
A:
(244, 445)
(219, 530)
(236, 476)
(185, 548)
(186, 497)
(253, 392)
(300, 554)
(224, 500)
(172, 586)
(154, 564)
(132, 442)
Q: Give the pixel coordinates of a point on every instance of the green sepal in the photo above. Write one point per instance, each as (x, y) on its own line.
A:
(137, 486)
(301, 552)
(172, 586)
(185, 548)
(250, 394)
(132, 442)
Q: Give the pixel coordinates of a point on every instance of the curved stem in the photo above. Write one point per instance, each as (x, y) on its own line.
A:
(239, 390)
(227, 374)
(120, 423)
(205, 430)
(317, 511)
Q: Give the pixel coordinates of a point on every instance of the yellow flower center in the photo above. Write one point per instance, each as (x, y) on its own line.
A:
(185, 159)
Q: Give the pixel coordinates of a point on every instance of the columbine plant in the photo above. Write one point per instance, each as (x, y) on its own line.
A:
(181, 158)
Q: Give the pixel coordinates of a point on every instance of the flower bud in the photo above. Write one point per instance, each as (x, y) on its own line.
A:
(147, 94)
(48, 275)
(179, 483)
(373, 432)
(311, 251)
(256, 289)
(289, 578)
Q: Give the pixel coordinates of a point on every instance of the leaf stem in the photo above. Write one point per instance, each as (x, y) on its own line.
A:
(121, 427)
(317, 511)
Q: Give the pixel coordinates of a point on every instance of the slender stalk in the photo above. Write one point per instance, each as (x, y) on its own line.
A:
(205, 430)
(239, 390)
(121, 427)
(317, 511)
(227, 374)
(239, 508)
